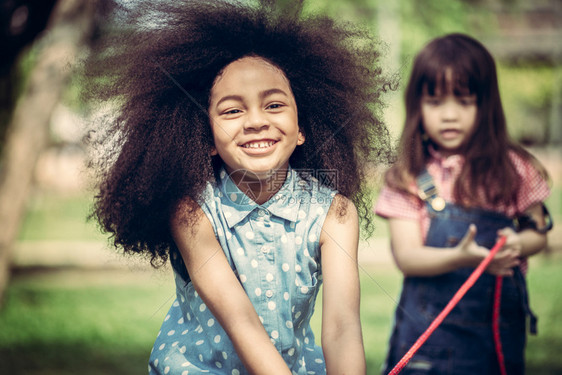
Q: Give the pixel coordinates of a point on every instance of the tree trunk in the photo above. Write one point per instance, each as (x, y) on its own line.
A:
(70, 25)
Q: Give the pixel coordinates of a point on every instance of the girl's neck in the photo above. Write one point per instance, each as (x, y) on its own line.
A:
(443, 153)
(260, 190)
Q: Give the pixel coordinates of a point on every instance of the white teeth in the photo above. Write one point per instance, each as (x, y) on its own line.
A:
(261, 144)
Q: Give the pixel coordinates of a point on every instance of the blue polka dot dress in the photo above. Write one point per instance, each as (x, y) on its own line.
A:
(273, 250)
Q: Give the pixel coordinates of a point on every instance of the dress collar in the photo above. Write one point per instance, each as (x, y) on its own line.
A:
(236, 205)
(452, 162)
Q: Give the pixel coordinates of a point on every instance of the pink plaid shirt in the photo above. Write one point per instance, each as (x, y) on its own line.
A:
(395, 204)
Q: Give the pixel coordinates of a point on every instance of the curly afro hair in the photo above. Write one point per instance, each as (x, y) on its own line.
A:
(157, 63)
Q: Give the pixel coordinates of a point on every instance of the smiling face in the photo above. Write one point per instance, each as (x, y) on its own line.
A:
(449, 118)
(254, 119)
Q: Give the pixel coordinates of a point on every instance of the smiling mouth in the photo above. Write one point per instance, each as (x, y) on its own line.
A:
(259, 144)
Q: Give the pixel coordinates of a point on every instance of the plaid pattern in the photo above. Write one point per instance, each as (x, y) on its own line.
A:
(395, 204)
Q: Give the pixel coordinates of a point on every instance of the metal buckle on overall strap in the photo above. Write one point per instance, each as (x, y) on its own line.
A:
(428, 192)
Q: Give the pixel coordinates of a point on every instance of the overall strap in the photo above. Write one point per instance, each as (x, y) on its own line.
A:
(521, 284)
(428, 192)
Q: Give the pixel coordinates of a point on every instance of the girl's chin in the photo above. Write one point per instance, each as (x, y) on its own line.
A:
(257, 174)
(448, 150)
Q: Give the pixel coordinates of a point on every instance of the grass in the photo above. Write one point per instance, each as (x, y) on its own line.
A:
(543, 350)
(69, 321)
(105, 322)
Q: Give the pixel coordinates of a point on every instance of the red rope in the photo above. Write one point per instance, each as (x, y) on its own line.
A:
(452, 303)
(496, 324)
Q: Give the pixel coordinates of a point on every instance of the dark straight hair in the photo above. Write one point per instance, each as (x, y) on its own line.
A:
(487, 161)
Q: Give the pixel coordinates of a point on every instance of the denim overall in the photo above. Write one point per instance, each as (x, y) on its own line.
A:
(463, 343)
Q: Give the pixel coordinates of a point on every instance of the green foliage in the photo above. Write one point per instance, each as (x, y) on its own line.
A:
(359, 11)
(58, 217)
(527, 90)
(293, 7)
(423, 21)
(527, 93)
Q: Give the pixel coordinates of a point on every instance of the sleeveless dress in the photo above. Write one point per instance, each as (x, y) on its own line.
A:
(273, 250)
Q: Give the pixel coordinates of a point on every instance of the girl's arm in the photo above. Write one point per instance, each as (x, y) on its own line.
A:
(415, 259)
(221, 291)
(528, 242)
(342, 341)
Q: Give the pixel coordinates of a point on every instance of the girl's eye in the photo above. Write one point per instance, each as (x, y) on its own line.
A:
(232, 112)
(274, 106)
(432, 101)
(467, 101)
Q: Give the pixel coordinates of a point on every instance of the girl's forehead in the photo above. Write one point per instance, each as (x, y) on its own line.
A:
(250, 63)
(447, 81)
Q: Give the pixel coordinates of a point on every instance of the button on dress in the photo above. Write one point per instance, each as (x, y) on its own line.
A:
(273, 250)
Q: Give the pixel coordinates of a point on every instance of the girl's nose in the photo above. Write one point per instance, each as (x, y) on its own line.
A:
(256, 120)
(450, 111)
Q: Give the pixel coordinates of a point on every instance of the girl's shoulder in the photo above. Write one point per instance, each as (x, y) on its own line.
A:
(527, 166)
(209, 202)
(524, 164)
(393, 203)
(534, 185)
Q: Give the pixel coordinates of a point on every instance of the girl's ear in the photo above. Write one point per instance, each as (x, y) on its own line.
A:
(300, 138)
(214, 151)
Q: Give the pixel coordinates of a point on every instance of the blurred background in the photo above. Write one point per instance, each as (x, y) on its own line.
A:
(71, 304)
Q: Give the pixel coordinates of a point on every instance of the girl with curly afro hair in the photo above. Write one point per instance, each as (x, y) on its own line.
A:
(238, 152)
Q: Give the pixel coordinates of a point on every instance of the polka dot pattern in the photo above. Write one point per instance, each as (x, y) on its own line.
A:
(273, 249)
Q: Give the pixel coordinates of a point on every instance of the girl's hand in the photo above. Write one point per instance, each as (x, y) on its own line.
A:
(512, 239)
(415, 259)
(502, 264)
(468, 248)
(508, 256)
(471, 254)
